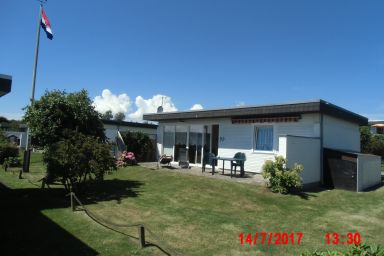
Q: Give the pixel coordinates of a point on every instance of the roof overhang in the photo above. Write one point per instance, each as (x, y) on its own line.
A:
(5, 84)
(275, 110)
(129, 124)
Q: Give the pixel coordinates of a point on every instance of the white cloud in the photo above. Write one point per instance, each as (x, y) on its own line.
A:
(115, 103)
(196, 107)
(150, 105)
(240, 104)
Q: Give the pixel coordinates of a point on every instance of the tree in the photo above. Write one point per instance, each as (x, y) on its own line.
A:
(365, 139)
(107, 115)
(72, 134)
(377, 145)
(3, 138)
(57, 111)
(120, 116)
(78, 158)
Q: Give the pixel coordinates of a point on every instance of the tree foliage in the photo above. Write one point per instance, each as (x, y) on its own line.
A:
(377, 145)
(72, 134)
(107, 115)
(371, 143)
(139, 143)
(120, 116)
(365, 139)
(77, 158)
(57, 111)
(7, 149)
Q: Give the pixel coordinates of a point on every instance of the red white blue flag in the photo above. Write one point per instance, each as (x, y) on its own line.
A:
(46, 25)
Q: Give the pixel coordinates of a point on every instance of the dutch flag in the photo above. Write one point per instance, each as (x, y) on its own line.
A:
(46, 25)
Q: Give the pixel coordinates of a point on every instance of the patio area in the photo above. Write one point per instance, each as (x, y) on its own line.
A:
(250, 178)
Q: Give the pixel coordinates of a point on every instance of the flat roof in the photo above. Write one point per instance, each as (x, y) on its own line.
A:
(130, 124)
(5, 84)
(286, 109)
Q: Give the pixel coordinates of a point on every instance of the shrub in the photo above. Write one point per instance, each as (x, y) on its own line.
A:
(377, 145)
(11, 162)
(78, 158)
(140, 144)
(280, 178)
(356, 250)
(126, 158)
(8, 150)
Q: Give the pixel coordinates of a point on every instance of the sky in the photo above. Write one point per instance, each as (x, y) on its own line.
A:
(134, 55)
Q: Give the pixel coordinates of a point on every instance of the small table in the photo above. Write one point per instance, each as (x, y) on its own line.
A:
(228, 159)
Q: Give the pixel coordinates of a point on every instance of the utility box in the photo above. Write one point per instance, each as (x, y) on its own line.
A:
(351, 171)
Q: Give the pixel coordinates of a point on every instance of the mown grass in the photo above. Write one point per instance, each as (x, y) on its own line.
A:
(200, 216)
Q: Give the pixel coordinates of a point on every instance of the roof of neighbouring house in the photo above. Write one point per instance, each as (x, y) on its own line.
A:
(373, 122)
(5, 84)
(130, 124)
(287, 109)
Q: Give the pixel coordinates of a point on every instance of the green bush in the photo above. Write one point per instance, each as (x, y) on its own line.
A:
(8, 150)
(77, 159)
(356, 250)
(377, 145)
(140, 144)
(11, 162)
(280, 178)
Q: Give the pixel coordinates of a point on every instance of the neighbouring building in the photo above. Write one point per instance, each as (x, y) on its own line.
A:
(16, 135)
(301, 132)
(377, 126)
(112, 127)
(113, 130)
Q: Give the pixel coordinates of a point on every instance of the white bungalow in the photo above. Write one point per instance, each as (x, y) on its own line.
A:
(301, 132)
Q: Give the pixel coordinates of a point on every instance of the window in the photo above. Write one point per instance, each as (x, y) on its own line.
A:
(263, 138)
(168, 140)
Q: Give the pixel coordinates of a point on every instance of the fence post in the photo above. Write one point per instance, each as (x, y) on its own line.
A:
(72, 203)
(142, 236)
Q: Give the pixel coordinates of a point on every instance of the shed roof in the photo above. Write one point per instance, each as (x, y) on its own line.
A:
(286, 109)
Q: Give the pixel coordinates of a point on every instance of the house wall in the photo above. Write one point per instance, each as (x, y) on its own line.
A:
(22, 136)
(305, 151)
(297, 141)
(340, 134)
(240, 137)
(368, 171)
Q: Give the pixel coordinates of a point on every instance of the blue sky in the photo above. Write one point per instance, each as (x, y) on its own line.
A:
(213, 53)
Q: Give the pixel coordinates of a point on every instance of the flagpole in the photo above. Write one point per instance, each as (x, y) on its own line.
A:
(36, 55)
(27, 152)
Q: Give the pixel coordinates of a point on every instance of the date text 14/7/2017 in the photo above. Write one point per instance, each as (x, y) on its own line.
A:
(271, 238)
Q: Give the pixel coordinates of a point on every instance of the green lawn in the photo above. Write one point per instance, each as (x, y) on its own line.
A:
(200, 216)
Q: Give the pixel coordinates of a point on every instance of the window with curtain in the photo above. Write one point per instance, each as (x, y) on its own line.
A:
(263, 138)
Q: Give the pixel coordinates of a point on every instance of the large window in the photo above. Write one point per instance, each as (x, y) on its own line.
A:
(169, 140)
(263, 138)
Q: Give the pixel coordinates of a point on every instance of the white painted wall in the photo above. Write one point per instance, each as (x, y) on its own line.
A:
(305, 151)
(368, 171)
(239, 138)
(22, 136)
(340, 134)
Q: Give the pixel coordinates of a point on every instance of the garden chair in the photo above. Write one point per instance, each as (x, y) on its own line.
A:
(234, 164)
(164, 159)
(207, 159)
